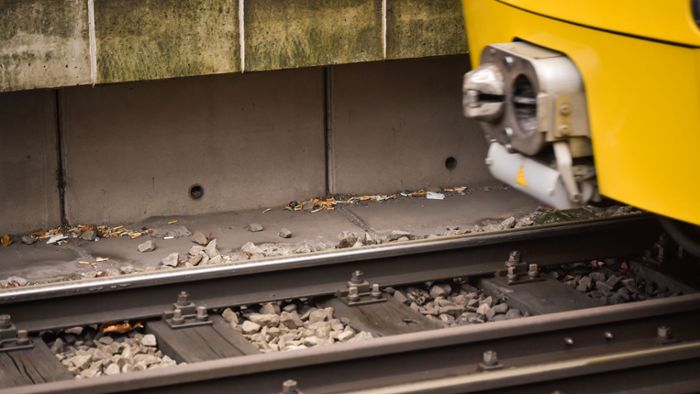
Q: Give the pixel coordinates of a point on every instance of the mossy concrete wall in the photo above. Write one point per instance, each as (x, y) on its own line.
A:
(51, 43)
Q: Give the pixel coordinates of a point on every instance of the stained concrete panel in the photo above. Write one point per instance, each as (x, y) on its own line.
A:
(419, 28)
(300, 33)
(251, 141)
(28, 162)
(396, 123)
(153, 39)
(43, 43)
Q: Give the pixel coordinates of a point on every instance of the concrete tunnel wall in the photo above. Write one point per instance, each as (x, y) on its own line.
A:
(133, 150)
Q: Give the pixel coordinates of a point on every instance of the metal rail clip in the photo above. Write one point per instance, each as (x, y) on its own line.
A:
(360, 292)
(186, 314)
(11, 338)
(519, 272)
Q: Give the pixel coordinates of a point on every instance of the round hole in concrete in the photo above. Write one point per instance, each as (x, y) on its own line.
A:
(196, 192)
(450, 163)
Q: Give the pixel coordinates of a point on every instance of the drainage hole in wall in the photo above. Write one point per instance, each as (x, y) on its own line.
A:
(196, 192)
(450, 163)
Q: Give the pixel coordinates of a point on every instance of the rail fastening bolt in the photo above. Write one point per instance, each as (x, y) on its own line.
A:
(22, 337)
(513, 258)
(353, 293)
(375, 292)
(490, 358)
(290, 386)
(177, 316)
(183, 298)
(5, 321)
(357, 277)
(664, 332)
(512, 276)
(202, 313)
(533, 271)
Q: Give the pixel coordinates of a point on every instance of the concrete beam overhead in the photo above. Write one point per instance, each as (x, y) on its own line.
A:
(43, 43)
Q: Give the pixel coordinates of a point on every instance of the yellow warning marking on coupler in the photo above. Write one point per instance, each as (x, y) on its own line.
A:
(520, 178)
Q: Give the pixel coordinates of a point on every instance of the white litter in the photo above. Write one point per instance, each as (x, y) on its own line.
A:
(56, 238)
(434, 196)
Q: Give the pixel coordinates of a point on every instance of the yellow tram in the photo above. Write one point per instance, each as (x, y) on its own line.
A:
(588, 98)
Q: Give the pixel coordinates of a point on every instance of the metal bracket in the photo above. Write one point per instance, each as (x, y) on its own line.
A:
(518, 272)
(186, 314)
(360, 292)
(565, 167)
(11, 338)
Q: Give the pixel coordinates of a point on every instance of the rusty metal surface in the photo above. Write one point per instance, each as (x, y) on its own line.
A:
(145, 296)
(425, 356)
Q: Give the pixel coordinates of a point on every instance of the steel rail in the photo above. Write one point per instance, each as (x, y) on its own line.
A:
(545, 372)
(146, 296)
(440, 354)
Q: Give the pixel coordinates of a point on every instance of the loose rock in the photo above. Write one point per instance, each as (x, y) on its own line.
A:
(199, 238)
(250, 249)
(346, 239)
(149, 340)
(230, 316)
(147, 246)
(285, 233)
(171, 260)
(255, 227)
(249, 327)
(89, 235)
(211, 249)
(171, 231)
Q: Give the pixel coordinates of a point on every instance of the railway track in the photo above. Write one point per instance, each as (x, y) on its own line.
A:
(568, 342)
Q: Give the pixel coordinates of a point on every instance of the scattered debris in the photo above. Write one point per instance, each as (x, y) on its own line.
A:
(329, 203)
(147, 246)
(13, 281)
(101, 259)
(172, 222)
(29, 239)
(6, 240)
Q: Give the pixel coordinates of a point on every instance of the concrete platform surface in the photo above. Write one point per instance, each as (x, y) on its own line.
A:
(311, 232)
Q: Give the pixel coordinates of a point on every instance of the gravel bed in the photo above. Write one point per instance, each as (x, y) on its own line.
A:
(298, 324)
(610, 281)
(454, 303)
(87, 353)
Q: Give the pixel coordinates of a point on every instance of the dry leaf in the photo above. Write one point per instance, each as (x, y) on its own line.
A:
(119, 328)
(172, 222)
(6, 240)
